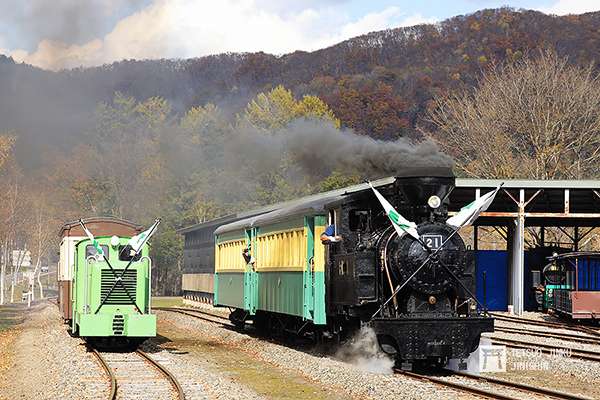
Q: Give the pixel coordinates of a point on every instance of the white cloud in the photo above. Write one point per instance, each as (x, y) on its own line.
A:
(187, 28)
(563, 7)
(3, 49)
(381, 20)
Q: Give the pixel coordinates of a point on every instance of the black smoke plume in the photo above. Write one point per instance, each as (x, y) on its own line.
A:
(319, 148)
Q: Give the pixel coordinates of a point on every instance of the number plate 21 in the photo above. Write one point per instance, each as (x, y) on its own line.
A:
(434, 242)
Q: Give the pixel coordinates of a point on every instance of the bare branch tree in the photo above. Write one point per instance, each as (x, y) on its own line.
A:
(537, 118)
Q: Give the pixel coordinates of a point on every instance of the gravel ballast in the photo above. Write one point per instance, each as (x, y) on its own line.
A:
(349, 380)
(47, 363)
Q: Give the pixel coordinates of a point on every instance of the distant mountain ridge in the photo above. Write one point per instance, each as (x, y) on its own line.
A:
(380, 83)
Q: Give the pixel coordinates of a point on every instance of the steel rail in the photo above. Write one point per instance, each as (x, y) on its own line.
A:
(560, 336)
(493, 394)
(194, 312)
(556, 325)
(113, 379)
(548, 349)
(169, 375)
(523, 386)
(109, 373)
(455, 385)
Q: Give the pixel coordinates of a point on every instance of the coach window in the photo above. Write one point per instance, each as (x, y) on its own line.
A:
(359, 220)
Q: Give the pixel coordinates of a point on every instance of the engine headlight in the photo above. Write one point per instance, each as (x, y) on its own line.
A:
(114, 241)
(434, 202)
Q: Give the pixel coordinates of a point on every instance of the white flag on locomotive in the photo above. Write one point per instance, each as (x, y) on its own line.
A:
(401, 224)
(99, 251)
(470, 212)
(138, 240)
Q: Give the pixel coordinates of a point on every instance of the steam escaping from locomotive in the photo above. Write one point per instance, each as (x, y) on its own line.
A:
(363, 351)
(319, 148)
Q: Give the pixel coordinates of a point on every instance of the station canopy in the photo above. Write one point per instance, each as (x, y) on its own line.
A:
(549, 203)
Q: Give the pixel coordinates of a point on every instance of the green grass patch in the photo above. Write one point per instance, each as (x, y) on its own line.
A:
(167, 302)
(265, 379)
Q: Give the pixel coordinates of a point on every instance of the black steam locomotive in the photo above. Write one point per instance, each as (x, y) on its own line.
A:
(433, 317)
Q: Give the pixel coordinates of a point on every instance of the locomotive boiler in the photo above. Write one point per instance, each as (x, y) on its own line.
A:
(417, 295)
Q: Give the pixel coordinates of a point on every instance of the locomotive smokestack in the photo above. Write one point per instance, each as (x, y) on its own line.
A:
(418, 185)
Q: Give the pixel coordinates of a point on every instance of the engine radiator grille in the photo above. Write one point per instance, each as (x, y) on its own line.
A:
(118, 295)
(118, 325)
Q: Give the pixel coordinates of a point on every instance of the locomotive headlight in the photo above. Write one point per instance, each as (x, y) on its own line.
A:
(114, 241)
(434, 202)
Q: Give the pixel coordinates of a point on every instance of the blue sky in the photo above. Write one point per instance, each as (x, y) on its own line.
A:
(442, 9)
(58, 34)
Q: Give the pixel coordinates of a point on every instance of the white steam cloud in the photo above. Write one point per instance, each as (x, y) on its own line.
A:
(363, 351)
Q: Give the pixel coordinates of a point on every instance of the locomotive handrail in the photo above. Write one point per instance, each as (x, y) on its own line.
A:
(86, 305)
(385, 265)
(149, 305)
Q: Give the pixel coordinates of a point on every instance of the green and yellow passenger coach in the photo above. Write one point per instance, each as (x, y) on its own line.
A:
(272, 266)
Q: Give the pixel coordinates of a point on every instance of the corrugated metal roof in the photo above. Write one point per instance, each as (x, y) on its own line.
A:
(311, 207)
(528, 183)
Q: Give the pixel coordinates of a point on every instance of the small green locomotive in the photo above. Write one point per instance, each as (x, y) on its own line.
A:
(109, 291)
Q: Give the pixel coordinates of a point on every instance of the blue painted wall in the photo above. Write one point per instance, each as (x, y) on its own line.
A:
(588, 271)
(495, 264)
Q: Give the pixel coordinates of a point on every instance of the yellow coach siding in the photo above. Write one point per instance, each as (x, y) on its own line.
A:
(281, 251)
(228, 257)
(319, 249)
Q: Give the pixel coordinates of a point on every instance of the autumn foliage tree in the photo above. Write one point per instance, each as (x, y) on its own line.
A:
(277, 108)
(535, 118)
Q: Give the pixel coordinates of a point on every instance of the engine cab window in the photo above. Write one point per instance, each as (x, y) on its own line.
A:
(359, 220)
(332, 220)
(90, 250)
(126, 253)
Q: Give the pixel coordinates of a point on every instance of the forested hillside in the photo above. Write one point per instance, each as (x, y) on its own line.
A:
(379, 84)
(189, 140)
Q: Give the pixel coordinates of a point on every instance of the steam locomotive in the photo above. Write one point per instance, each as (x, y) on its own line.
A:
(289, 281)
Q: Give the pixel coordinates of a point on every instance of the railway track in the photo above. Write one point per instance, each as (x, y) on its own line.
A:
(525, 391)
(550, 324)
(561, 336)
(136, 375)
(588, 355)
(200, 314)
